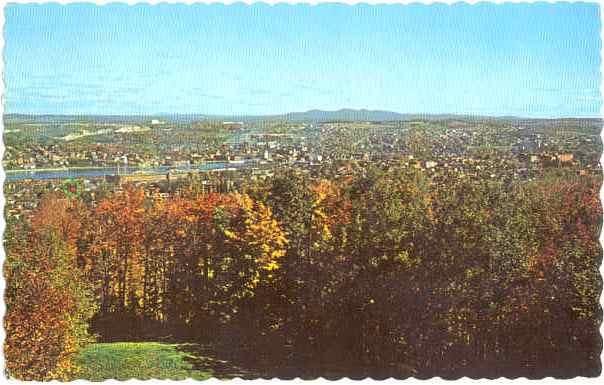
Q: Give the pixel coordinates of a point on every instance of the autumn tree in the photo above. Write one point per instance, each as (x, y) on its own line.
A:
(47, 301)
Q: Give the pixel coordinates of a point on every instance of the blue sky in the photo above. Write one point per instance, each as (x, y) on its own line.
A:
(540, 60)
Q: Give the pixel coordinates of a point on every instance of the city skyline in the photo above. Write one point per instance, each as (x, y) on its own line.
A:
(527, 60)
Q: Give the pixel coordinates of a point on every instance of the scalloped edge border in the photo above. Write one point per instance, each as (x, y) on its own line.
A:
(236, 380)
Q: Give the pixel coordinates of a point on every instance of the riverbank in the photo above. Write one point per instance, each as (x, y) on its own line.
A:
(54, 169)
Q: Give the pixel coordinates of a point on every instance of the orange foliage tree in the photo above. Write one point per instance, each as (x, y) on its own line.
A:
(47, 303)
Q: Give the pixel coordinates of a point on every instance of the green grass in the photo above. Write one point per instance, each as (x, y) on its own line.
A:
(144, 360)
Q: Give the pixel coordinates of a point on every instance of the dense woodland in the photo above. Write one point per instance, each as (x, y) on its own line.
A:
(381, 273)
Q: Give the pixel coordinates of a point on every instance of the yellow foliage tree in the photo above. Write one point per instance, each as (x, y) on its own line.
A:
(258, 240)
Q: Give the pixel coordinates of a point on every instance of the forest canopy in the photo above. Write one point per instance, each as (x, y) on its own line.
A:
(386, 272)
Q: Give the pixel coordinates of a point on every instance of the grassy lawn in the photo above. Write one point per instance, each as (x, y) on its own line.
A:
(141, 360)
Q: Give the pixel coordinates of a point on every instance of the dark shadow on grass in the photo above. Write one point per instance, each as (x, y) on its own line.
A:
(221, 365)
(229, 361)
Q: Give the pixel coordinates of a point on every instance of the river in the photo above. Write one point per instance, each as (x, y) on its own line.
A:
(42, 174)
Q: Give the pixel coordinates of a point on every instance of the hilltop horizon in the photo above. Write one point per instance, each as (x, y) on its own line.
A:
(346, 114)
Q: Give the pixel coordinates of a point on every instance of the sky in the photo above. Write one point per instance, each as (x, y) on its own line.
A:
(533, 60)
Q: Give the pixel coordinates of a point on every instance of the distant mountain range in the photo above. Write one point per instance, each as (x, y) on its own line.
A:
(345, 114)
(348, 114)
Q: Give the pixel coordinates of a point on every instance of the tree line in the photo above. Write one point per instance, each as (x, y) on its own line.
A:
(385, 272)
